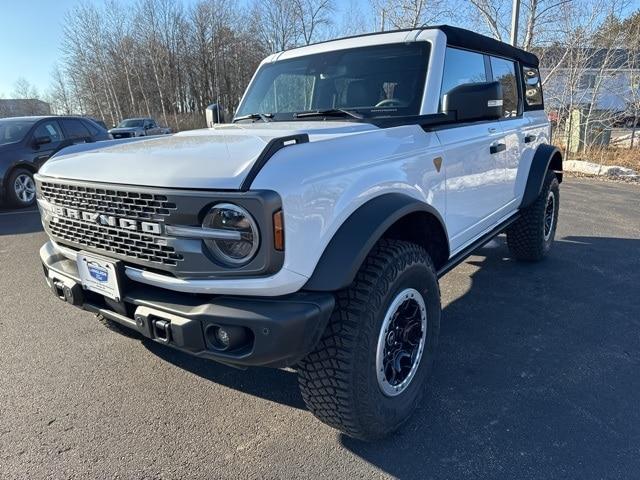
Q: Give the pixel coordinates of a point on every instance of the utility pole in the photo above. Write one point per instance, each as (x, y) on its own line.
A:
(515, 16)
(382, 19)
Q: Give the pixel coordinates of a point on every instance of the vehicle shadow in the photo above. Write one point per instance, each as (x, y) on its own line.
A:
(537, 373)
(536, 376)
(275, 385)
(17, 222)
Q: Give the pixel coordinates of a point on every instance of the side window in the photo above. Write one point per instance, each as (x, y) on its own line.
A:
(504, 71)
(460, 67)
(532, 87)
(75, 128)
(49, 129)
(93, 129)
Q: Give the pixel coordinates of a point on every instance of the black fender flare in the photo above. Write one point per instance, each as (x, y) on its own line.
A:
(345, 253)
(546, 157)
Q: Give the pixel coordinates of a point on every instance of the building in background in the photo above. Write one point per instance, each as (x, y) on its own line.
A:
(21, 107)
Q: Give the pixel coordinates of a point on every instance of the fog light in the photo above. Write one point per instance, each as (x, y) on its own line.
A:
(226, 337)
(222, 336)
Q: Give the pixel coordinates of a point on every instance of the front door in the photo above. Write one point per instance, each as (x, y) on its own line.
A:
(474, 162)
(42, 152)
(474, 157)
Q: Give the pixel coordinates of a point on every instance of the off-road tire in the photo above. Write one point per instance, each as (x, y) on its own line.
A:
(526, 236)
(12, 199)
(338, 379)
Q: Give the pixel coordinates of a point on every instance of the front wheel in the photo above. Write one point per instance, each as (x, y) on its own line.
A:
(368, 372)
(21, 191)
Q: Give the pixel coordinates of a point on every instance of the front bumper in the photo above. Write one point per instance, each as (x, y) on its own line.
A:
(280, 330)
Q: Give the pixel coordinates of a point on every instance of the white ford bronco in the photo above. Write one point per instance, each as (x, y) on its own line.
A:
(311, 231)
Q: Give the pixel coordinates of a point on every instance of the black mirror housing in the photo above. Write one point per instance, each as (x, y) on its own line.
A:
(42, 140)
(215, 114)
(474, 101)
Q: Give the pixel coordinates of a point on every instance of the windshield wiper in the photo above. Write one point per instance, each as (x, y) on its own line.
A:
(332, 112)
(265, 117)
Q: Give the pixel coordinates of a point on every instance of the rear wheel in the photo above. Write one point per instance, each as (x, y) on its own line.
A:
(531, 236)
(21, 188)
(368, 372)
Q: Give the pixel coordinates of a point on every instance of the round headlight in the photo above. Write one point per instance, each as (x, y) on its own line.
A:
(232, 218)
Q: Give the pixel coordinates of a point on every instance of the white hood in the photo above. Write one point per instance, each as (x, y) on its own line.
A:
(215, 158)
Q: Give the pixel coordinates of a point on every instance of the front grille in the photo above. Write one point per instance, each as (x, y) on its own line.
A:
(115, 240)
(113, 202)
(128, 204)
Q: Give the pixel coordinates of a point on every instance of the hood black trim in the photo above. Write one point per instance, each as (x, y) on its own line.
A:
(269, 151)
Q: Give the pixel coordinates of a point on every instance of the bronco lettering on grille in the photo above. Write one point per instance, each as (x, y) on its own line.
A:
(107, 220)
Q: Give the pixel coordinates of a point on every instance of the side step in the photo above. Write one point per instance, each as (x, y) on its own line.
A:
(463, 254)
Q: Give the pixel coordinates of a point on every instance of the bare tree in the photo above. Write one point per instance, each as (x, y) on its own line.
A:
(278, 23)
(313, 15)
(24, 90)
(412, 13)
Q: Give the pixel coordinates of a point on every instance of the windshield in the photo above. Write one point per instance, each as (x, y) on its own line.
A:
(13, 130)
(130, 123)
(384, 80)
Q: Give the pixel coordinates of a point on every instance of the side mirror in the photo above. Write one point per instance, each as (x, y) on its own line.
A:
(474, 101)
(147, 127)
(215, 114)
(37, 141)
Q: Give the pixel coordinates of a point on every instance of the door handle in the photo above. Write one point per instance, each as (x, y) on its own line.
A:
(529, 138)
(498, 147)
(492, 130)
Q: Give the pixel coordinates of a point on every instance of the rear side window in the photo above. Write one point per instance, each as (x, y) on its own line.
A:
(93, 128)
(460, 67)
(504, 71)
(532, 87)
(50, 128)
(75, 128)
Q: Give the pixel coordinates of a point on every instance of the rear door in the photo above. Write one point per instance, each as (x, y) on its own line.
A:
(536, 130)
(76, 131)
(473, 157)
(513, 125)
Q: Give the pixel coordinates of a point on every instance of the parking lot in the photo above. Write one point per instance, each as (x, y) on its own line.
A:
(537, 376)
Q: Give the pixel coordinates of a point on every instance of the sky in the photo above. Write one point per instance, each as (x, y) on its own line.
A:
(30, 37)
(31, 32)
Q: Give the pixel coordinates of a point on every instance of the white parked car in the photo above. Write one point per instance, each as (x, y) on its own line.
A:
(311, 231)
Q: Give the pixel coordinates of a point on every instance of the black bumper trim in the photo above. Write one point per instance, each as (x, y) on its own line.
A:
(284, 329)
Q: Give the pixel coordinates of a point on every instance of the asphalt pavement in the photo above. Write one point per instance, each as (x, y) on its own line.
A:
(537, 376)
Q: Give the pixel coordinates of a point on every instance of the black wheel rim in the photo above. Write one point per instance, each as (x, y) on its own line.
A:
(401, 342)
(549, 215)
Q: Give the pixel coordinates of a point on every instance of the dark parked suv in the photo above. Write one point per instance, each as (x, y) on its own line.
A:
(27, 142)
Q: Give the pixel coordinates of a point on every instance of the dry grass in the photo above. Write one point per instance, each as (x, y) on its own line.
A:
(608, 156)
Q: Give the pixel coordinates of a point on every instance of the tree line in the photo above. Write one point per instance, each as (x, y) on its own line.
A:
(170, 59)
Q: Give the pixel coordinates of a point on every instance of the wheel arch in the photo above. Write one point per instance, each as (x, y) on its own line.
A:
(16, 166)
(547, 157)
(392, 215)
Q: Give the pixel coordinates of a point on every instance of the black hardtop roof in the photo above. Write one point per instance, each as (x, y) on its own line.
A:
(462, 38)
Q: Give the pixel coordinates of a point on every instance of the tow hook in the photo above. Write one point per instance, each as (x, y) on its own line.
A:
(161, 330)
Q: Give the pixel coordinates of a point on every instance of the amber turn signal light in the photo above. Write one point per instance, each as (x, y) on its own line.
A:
(278, 231)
